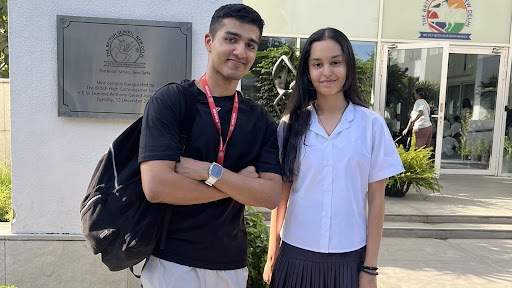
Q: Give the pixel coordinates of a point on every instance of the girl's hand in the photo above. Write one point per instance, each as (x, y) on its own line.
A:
(267, 272)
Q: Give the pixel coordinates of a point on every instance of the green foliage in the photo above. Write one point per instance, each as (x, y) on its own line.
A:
(268, 92)
(9, 286)
(478, 147)
(420, 171)
(397, 86)
(508, 145)
(5, 194)
(431, 88)
(4, 43)
(364, 71)
(263, 70)
(464, 147)
(257, 237)
(492, 82)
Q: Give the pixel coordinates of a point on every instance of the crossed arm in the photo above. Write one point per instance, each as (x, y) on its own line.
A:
(182, 184)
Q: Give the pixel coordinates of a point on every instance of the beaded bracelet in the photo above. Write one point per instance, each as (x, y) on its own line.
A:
(370, 272)
(369, 268)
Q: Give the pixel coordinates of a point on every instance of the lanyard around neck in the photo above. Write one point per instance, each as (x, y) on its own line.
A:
(216, 119)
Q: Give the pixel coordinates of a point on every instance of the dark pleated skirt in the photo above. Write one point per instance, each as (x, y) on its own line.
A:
(299, 268)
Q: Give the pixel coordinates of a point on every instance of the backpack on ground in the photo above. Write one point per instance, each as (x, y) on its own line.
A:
(117, 220)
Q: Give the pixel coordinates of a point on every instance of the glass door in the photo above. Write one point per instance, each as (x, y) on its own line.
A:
(473, 93)
(408, 67)
(506, 159)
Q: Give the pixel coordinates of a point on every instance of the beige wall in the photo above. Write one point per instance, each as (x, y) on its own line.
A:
(5, 122)
(357, 19)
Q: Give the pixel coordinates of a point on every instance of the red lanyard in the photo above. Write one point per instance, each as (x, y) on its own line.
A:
(216, 119)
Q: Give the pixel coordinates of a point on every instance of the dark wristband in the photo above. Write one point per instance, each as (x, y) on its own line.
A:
(375, 273)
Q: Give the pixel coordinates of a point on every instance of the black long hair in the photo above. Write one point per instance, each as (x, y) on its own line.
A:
(304, 93)
(422, 92)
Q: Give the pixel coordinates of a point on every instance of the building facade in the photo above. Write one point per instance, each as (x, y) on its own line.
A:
(458, 50)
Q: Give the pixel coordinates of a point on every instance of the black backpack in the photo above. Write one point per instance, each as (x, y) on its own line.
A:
(117, 219)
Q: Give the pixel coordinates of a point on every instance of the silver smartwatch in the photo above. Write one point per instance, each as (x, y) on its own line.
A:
(214, 174)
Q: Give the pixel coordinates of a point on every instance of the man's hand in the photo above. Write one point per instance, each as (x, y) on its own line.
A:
(249, 171)
(198, 170)
(193, 169)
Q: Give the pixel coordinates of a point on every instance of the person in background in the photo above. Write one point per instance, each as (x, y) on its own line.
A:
(336, 155)
(467, 107)
(419, 120)
(456, 127)
(450, 145)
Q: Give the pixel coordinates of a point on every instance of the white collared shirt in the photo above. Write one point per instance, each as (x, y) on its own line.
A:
(328, 199)
(424, 120)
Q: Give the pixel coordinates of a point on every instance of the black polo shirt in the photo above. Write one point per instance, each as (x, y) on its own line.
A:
(210, 235)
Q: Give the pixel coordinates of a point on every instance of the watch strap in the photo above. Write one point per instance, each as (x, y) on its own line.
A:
(211, 180)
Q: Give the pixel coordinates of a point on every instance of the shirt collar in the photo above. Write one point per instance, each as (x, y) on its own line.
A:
(346, 120)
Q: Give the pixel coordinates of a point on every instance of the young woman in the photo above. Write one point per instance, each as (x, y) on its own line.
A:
(336, 155)
(420, 119)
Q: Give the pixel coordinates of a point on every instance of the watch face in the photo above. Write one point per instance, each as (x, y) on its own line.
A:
(216, 170)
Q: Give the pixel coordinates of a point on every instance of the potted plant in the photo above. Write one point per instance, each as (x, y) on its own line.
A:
(464, 147)
(486, 153)
(464, 151)
(486, 156)
(478, 150)
(507, 155)
(474, 150)
(419, 173)
(507, 145)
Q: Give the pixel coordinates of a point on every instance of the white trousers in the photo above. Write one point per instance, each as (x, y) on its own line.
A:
(159, 273)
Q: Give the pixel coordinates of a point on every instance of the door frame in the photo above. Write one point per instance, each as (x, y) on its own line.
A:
(495, 161)
(380, 102)
(499, 121)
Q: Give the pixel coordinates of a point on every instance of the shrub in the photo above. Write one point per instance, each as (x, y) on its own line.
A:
(420, 171)
(5, 194)
(508, 145)
(257, 238)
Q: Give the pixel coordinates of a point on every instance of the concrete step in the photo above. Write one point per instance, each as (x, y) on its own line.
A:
(472, 219)
(444, 230)
(441, 226)
(483, 219)
(447, 230)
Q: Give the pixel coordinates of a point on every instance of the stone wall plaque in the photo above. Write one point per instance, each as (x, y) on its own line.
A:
(108, 68)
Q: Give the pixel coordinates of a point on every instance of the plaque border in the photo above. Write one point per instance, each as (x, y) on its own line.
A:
(63, 21)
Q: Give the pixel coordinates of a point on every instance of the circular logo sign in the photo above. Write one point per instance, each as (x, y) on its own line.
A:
(447, 16)
(125, 48)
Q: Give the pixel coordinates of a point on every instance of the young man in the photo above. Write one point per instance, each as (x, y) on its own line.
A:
(206, 243)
